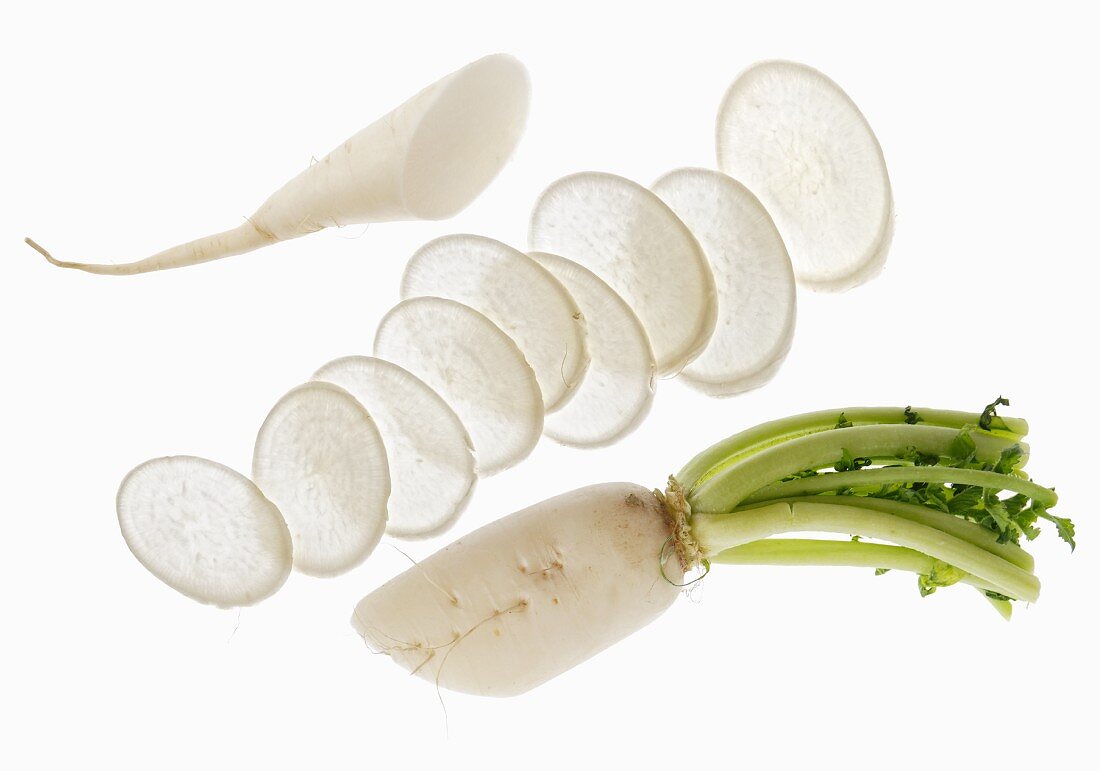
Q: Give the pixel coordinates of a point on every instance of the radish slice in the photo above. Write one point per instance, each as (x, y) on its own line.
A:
(617, 391)
(629, 237)
(320, 458)
(205, 530)
(477, 369)
(800, 143)
(517, 294)
(756, 289)
(430, 456)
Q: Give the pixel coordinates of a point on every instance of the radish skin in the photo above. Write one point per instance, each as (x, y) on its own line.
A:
(426, 160)
(522, 600)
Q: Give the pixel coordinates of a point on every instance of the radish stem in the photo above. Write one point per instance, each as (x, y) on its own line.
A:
(735, 448)
(885, 442)
(829, 553)
(718, 532)
(877, 477)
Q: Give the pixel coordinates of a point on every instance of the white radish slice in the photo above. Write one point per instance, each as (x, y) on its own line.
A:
(320, 458)
(205, 530)
(617, 390)
(430, 456)
(794, 138)
(517, 294)
(631, 239)
(477, 369)
(752, 271)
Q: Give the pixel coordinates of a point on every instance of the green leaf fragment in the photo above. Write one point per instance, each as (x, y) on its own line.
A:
(1066, 530)
(911, 417)
(848, 463)
(940, 575)
(989, 419)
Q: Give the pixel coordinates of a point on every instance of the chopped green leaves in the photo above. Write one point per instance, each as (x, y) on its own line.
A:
(911, 417)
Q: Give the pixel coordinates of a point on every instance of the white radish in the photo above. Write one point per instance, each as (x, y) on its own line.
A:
(794, 138)
(431, 460)
(521, 600)
(320, 458)
(617, 390)
(528, 597)
(631, 239)
(477, 369)
(515, 293)
(205, 530)
(428, 159)
(753, 275)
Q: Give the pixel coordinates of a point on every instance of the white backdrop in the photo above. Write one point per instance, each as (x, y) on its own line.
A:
(129, 128)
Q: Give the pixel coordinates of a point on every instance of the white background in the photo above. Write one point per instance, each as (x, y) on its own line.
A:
(129, 128)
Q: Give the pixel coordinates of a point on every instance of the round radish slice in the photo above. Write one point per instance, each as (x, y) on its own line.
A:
(800, 143)
(204, 530)
(477, 369)
(517, 294)
(756, 290)
(430, 457)
(320, 458)
(617, 391)
(627, 236)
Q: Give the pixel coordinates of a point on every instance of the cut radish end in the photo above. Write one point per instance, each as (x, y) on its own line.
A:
(631, 239)
(800, 143)
(756, 289)
(617, 391)
(430, 456)
(517, 294)
(320, 458)
(477, 369)
(205, 530)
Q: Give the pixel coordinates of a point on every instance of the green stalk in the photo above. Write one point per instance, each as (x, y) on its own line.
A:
(819, 553)
(724, 490)
(717, 532)
(960, 528)
(878, 477)
(739, 446)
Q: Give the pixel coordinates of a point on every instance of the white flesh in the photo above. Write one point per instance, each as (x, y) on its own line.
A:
(205, 530)
(530, 596)
(631, 239)
(617, 391)
(477, 369)
(320, 458)
(794, 138)
(517, 294)
(753, 275)
(428, 159)
(430, 455)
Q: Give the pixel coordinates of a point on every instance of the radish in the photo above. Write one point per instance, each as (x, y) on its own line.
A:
(519, 601)
(428, 159)
(205, 530)
(753, 275)
(430, 455)
(515, 293)
(632, 240)
(477, 369)
(794, 138)
(320, 458)
(617, 390)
